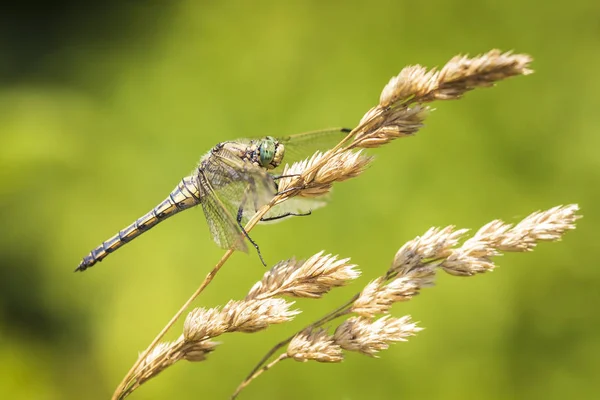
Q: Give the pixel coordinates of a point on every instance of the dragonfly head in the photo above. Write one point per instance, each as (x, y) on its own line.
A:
(270, 152)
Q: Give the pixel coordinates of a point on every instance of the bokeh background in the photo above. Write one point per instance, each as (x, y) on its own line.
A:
(104, 106)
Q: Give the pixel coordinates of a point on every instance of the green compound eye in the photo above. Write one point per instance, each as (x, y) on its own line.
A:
(267, 151)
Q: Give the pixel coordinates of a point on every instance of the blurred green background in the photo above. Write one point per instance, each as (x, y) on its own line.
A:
(105, 106)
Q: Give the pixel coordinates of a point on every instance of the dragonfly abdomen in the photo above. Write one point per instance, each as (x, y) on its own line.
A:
(184, 196)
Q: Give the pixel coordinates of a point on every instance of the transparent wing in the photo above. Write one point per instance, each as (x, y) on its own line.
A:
(234, 184)
(299, 147)
(296, 205)
(221, 223)
(250, 187)
(304, 145)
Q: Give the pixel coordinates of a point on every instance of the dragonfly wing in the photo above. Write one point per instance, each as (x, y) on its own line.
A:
(295, 205)
(304, 145)
(221, 222)
(235, 186)
(250, 185)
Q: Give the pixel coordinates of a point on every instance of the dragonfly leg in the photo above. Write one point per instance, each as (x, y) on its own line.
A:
(288, 190)
(287, 214)
(275, 177)
(240, 214)
(239, 221)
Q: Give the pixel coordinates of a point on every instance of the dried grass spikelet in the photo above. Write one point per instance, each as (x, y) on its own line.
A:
(162, 356)
(166, 354)
(311, 278)
(318, 181)
(197, 351)
(202, 323)
(462, 74)
(547, 225)
(415, 264)
(418, 85)
(315, 345)
(363, 335)
(401, 112)
(436, 243)
(414, 81)
(378, 296)
(368, 337)
(254, 315)
(398, 123)
(474, 256)
(236, 316)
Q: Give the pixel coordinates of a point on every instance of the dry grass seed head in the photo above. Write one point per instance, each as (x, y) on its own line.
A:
(397, 123)
(315, 345)
(378, 297)
(368, 337)
(412, 81)
(459, 75)
(272, 280)
(236, 316)
(400, 113)
(311, 278)
(162, 356)
(335, 168)
(255, 315)
(548, 225)
(434, 244)
(462, 73)
(202, 323)
(474, 256)
(197, 351)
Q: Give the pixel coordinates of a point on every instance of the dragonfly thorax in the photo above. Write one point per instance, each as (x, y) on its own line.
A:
(270, 152)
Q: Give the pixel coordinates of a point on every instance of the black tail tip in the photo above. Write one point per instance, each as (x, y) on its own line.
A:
(85, 264)
(81, 268)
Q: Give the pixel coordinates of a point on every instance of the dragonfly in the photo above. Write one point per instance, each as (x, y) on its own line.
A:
(231, 182)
